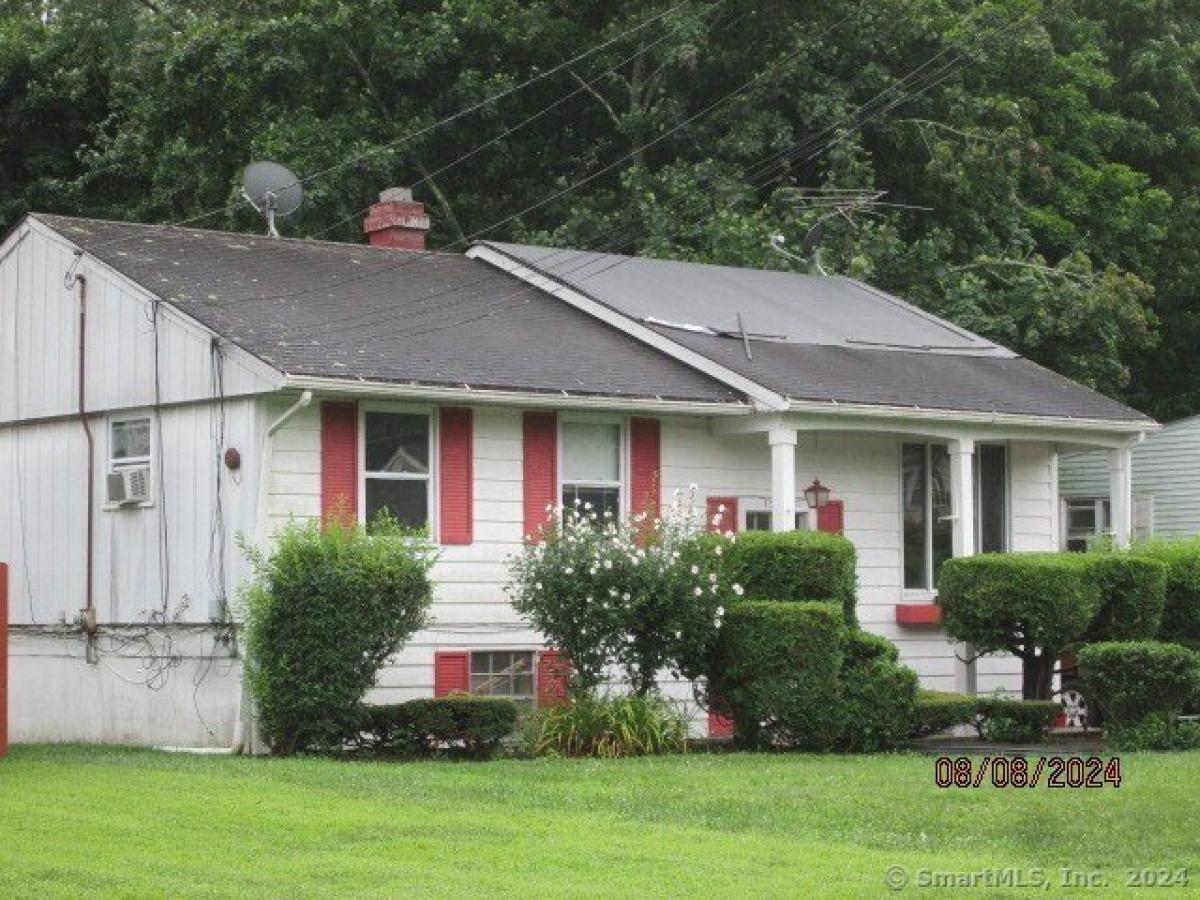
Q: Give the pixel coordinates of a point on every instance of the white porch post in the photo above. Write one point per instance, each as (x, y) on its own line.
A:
(962, 499)
(783, 478)
(1120, 493)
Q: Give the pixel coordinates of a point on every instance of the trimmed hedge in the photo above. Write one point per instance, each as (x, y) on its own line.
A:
(1133, 593)
(1033, 605)
(1015, 721)
(863, 647)
(879, 700)
(1158, 732)
(1132, 679)
(776, 670)
(794, 566)
(457, 722)
(938, 711)
(1181, 614)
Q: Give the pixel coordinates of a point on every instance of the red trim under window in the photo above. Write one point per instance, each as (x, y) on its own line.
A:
(339, 461)
(456, 476)
(915, 615)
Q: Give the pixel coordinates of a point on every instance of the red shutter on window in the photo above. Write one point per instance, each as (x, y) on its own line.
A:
(645, 458)
(831, 517)
(540, 469)
(451, 672)
(719, 726)
(339, 461)
(456, 476)
(553, 677)
(729, 518)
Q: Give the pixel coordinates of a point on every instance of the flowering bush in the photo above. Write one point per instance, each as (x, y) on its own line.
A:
(641, 593)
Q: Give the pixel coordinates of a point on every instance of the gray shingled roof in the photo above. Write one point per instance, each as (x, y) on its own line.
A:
(352, 311)
(821, 338)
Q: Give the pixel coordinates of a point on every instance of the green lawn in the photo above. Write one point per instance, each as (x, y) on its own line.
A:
(91, 821)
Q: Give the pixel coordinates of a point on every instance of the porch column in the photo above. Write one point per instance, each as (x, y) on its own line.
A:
(783, 478)
(962, 504)
(1120, 493)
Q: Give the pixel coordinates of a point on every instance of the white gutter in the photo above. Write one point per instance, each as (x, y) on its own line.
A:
(531, 400)
(765, 399)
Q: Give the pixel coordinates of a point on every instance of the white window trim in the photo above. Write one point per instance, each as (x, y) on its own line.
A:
(1008, 498)
(110, 467)
(431, 412)
(1099, 530)
(623, 461)
(757, 503)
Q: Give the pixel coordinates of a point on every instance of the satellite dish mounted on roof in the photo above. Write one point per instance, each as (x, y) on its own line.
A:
(273, 190)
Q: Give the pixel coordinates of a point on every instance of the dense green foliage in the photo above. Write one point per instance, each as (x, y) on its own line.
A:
(609, 727)
(1059, 160)
(326, 610)
(640, 594)
(455, 723)
(879, 698)
(1015, 721)
(938, 711)
(795, 566)
(1181, 615)
(1158, 732)
(1133, 593)
(1131, 679)
(82, 821)
(1033, 605)
(776, 671)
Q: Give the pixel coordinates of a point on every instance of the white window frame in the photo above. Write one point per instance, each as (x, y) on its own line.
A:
(1099, 505)
(535, 655)
(111, 466)
(623, 462)
(431, 413)
(978, 490)
(759, 504)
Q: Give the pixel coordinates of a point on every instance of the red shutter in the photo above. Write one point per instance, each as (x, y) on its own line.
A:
(451, 672)
(645, 464)
(553, 677)
(456, 476)
(719, 726)
(540, 469)
(729, 518)
(339, 461)
(831, 517)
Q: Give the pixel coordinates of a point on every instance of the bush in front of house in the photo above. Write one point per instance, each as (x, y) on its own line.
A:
(1132, 679)
(1181, 614)
(879, 698)
(325, 611)
(460, 723)
(1033, 605)
(1133, 594)
(1157, 732)
(1015, 721)
(640, 594)
(795, 566)
(609, 727)
(776, 671)
(938, 711)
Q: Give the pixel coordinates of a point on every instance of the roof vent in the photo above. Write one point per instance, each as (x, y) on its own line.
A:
(397, 221)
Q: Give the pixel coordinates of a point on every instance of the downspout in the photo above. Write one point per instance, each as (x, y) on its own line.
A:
(243, 740)
(88, 617)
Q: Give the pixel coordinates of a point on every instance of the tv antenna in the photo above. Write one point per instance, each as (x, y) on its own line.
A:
(273, 190)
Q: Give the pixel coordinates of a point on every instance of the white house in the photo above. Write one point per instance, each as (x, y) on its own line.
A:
(165, 390)
(1166, 487)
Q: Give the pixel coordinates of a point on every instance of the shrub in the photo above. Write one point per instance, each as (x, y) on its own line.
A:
(938, 711)
(879, 699)
(640, 594)
(1130, 679)
(326, 610)
(795, 566)
(1181, 614)
(1133, 592)
(610, 727)
(1156, 731)
(1033, 605)
(1015, 721)
(863, 647)
(457, 722)
(776, 670)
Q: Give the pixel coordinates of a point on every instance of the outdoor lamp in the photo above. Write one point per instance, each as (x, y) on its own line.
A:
(816, 494)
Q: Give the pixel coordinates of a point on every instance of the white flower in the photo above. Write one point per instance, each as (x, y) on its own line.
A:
(712, 577)
(695, 570)
(625, 596)
(698, 591)
(717, 549)
(739, 590)
(538, 585)
(569, 570)
(593, 570)
(608, 564)
(678, 635)
(720, 611)
(587, 506)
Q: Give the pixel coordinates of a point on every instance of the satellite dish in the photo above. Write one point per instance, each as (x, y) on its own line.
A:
(273, 190)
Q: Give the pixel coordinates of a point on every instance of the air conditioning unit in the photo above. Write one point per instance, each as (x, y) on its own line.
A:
(129, 485)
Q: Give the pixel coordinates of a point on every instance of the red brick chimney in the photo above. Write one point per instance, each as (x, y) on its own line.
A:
(397, 221)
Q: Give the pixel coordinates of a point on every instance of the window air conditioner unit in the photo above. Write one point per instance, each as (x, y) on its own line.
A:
(129, 485)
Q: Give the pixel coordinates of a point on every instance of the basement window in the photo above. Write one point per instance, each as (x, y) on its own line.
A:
(591, 467)
(396, 466)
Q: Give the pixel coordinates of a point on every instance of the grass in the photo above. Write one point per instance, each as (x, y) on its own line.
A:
(79, 821)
